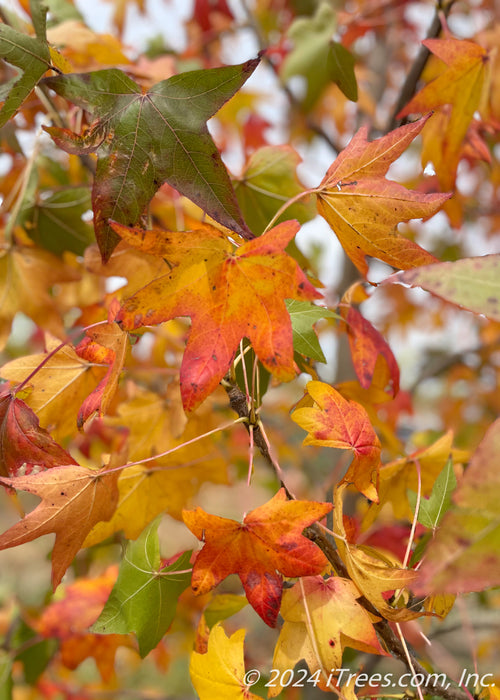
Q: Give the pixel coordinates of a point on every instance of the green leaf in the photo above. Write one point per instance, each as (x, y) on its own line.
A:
(5, 676)
(144, 597)
(36, 652)
(472, 283)
(341, 70)
(309, 56)
(28, 53)
(268, 181)
(223, 606)
(303, 316)
(143, 139)
(464, 555)
(55, 223)
(432, 509)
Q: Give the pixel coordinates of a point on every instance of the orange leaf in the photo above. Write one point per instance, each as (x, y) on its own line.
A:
(337, 422)
(229, 295)
(463, 85)
(74, 499)
(363, 208)
(68, 620)
(103, 345)
(23, 443)
(269, 541)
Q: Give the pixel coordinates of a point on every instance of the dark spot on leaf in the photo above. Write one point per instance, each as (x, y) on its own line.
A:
(331, 642)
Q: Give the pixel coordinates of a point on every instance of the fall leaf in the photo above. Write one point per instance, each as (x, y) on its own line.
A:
(27, 278)
(338, 422)
(30, 54)
(63, 377)
(144, 597)
(463, 556)
(220, 671)
(372, 572)
(363, 207)
(228, 295)
(463, 85)
(367, 344)
(471, 283)
(145, 139)
(102, 345)
(74, 499)
(69, 618)
(23, 443)
(270, 540)
(321, 618)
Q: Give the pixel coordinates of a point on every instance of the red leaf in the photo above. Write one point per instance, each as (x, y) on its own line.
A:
(268, 541)
(23, 443)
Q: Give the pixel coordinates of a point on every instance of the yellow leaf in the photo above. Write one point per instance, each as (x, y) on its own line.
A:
(167, 484)
(220, 672)
(58, 388)
(27, 276)
(321, 618)
(372, 572)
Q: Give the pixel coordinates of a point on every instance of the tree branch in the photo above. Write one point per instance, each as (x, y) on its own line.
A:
(239, 404)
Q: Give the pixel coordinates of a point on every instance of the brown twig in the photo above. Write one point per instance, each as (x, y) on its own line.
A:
(239, 404)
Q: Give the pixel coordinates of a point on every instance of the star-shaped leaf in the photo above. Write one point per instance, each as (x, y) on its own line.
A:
(144, 597)
(337, 422)
(364, 208)
(219, 673)
(30, 54)
(143, 139)
(229, 294)
(267, 544)
(74, 499)
(462, 84)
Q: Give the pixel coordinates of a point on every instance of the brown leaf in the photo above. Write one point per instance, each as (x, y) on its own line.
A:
(74, 499)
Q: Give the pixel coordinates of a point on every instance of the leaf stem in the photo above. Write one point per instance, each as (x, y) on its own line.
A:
(177, 447)
(289, 203)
